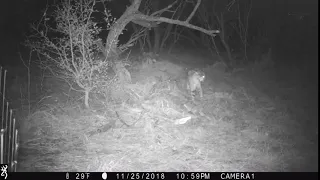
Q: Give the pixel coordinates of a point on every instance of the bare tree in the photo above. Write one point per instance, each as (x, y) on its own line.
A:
(232, 19)
(67, 42)
(242, 25)
(170, 29)
(156, 30)
(132, 14)
(145, 40)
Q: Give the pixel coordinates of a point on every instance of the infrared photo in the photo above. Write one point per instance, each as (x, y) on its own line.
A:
(159, 86)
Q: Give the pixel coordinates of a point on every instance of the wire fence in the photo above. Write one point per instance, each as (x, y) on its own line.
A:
(9, 132)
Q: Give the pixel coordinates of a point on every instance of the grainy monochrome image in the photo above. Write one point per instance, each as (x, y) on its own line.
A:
(158, 86)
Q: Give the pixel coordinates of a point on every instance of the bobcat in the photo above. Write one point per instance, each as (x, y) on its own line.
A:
(195, 77)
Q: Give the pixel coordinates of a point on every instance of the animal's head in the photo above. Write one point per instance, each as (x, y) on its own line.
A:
(201, 75)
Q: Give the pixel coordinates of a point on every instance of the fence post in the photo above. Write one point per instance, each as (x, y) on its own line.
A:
(9, 141)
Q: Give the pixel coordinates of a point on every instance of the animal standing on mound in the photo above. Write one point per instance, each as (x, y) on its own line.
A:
(195, 78)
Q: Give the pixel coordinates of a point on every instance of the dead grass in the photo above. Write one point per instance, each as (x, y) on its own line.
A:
(147, 127)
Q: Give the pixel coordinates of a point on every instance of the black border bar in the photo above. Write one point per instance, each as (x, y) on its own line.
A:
(160, 175)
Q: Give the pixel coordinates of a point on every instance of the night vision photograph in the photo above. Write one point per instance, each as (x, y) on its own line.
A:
(159, 86)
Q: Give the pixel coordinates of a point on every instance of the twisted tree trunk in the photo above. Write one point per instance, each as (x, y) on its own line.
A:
(132, 14)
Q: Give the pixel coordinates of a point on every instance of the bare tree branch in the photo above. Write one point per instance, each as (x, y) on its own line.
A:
(139, 16)
(178, 22)
(194, 11)
(164, 9)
